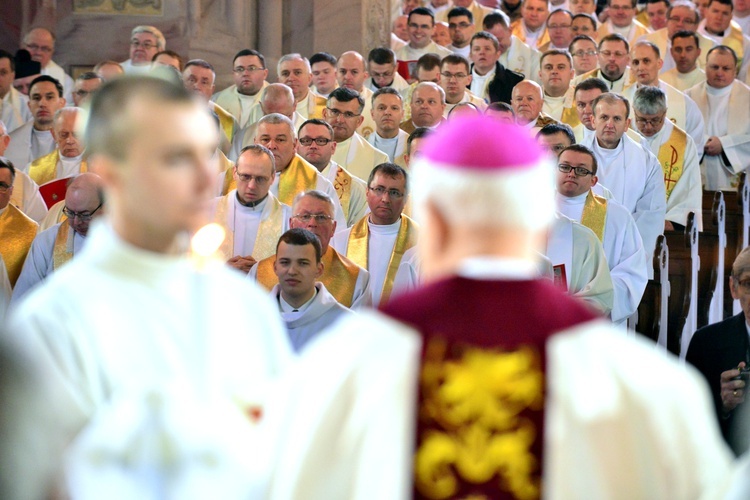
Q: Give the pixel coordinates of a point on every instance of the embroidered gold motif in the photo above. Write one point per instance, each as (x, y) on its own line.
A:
(471, 405)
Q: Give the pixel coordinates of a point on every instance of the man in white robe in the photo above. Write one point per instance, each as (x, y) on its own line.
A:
(294, 71)
(252, 217)
(383, 70)
(67, 158)
(345, 280)
(616, 230)
(34, 138)
(14, 106)
(40, 42)
(717, 25)
(26, 195)
(630, 172)
(350, 189)
(676, 153)
(481, 260)
(352, 73)
(645, 62)
(344, 113)
(514, 54)
(388, 113)
(622, 21)
(378, 241)
(555, 75)
(294, 175)
(152, 315)
(455, 78)
(531, 28)
(249, 72)
(421, 26)
(56, 246)
(145, 42)
(306, 307)
(724, 102)
(613, 56)
(685, 52)
(682, 15)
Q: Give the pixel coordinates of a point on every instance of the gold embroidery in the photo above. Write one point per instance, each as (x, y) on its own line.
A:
(472, 405)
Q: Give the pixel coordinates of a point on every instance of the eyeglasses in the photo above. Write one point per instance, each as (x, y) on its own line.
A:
(82, 216)
(683, 20)
(579, 171)
(145, 45)
(387, 74)
(457, 76)
(40, 48)
(319, 218)
(250, 69)
(392, 193)
(581, 53)
(246, 178)
(654, 122)
(608, 53)
(335, 113)
(4, 188)
(320, 141)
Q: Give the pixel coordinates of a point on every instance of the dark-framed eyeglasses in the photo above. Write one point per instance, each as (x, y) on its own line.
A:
(318, 218)
(579, 171)
(392, 193)
(335, 113)
(82, 216)
(320, 141)
(4, 188)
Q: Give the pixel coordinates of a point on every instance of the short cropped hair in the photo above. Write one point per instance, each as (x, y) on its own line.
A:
(501, 106)
(344, 94)
(389, 170)
(301, 237)
(580, 148)
(316, 121)
(259, 150)
(461, 11)
(323, 57)
(687, 34)
(293, 57)
(386, 90)
(494, 18)
(107, 133)
(4, 54)
(318, 195)
(417, 133)
(485, 35)
(724, 50)
(650, 100)
(557, 52)
(250, 52)
(614, 37)
(161, 42)
(580, 38)
(6, 163)
(381, 55)
(586, 16)
(47, 78)
(611, 98)
(652, 46)
(591, 84)
(456, 59)
(277, 119)
(557, 128)
(170, 53)
(421, 11)
(88, 75)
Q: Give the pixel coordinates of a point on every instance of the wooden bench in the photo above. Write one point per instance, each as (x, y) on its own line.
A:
(737, 221)
(683, 281)
(712, 243)
(650, 319)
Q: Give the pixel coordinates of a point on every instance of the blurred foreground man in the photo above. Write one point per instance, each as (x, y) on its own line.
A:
(152, 316)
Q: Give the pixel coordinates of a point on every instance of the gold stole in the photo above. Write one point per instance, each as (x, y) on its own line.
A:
(269, 230)
(359, 241)
(298, 177)
(570, 116)
(229, 182)
(518, 30)
(594, 214)
(226, 120)
(63, 249)
(44, 169)
(17, 196)
(672, 158)
(734, 41)
(339, 275)
(315, 105)
(343, 186)
(18, 231)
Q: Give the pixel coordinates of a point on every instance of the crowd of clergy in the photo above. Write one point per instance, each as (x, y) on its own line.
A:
(640, 108)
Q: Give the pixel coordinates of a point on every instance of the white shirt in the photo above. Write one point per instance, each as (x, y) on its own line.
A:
(479, 82)
(42, 143)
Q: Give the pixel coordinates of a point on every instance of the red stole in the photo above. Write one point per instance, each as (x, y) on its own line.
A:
(480, 417)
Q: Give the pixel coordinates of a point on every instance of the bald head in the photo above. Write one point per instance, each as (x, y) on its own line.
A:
(40, 42)
(83, 200)
(278, 98)
(527, 100)
(351, 71)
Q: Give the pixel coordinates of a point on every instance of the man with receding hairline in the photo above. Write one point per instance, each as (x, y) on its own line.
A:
(352, 73)
(40, 42)
(527, 103)
(684, 51)
(67, 158)
(294, 71)
(153, 145)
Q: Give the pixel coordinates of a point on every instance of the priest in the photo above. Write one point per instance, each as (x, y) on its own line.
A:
(147, 315)
(303, 302)
(67, 158)
(252, 217)
(17, 231)
(55, 247)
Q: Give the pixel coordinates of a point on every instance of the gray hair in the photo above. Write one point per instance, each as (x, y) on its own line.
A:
(275, 119)
(161, 42)
(430, 85)
(650, 101)
(318, 195)
(293, 57)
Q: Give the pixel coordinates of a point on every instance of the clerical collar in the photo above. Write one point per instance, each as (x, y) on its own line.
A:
(483, 267)
(386, 140)
(713, 91)
(285, 307)
(611, 82)
(605, 153)
(252, 204)
(476, 75)
(384, 228)
(531, 31)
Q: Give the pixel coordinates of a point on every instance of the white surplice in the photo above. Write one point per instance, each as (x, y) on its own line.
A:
(683, 81)
(14, 110)
(244, 222)
(357, 193)
(521, 58)
(623, 247)
(120, 318)
(633, 176)
(726, 114)
(26, 197)
(311, 319)
(40, 262)
(687, 195)
(576, 247)
(358, 156)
